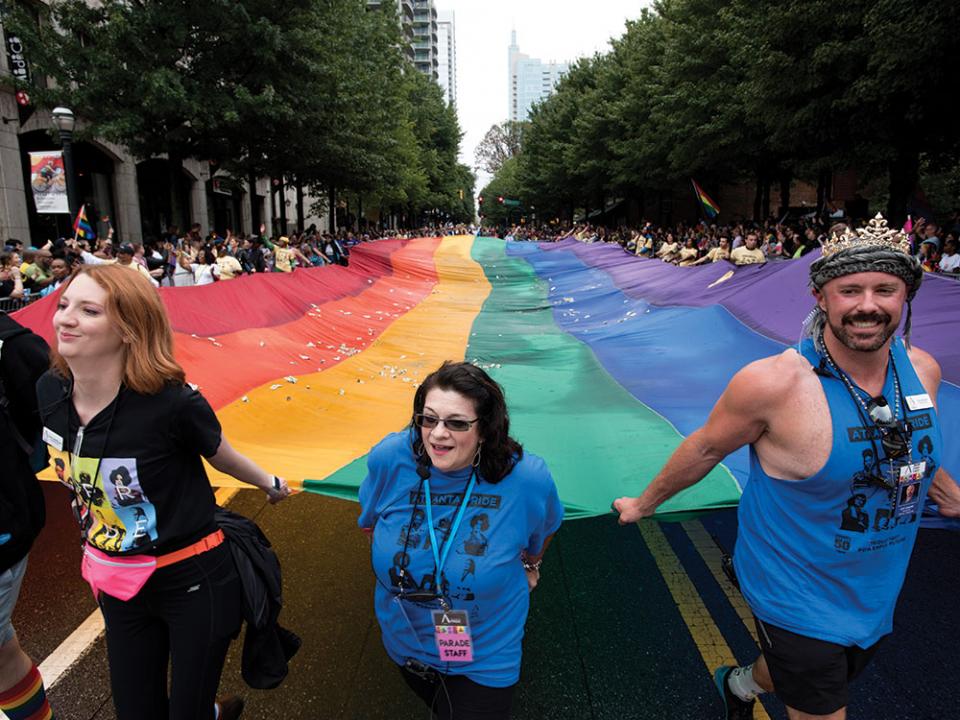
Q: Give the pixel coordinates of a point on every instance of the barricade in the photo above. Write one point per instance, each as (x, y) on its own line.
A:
(10, 305)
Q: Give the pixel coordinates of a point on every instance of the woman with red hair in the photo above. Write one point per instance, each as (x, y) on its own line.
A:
(130, 435)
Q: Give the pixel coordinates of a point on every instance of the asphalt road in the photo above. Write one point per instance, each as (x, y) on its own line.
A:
(623, 625)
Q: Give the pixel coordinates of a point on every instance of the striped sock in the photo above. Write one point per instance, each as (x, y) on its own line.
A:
(27, 700)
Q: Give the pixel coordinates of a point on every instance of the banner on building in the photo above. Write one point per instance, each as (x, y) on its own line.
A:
(20, 70)
(49, 182)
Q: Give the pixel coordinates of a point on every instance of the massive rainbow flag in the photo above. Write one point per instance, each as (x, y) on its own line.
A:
(608, 360)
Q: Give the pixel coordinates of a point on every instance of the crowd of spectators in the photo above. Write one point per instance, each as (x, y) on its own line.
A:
(180, 259)
(191, 258)
(744, 243)
(695, 244)
(174, 259)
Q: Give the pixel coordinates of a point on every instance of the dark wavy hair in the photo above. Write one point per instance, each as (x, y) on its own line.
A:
(500, 451)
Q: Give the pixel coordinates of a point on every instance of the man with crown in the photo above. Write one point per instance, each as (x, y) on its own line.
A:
(847, 418)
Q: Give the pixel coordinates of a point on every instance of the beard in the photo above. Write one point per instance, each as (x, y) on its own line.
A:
(871, 344)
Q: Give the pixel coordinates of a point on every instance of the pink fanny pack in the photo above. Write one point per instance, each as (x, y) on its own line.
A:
(122, 576)
(119, 577)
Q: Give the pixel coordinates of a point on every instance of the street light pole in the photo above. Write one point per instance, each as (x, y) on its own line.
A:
(64, 121)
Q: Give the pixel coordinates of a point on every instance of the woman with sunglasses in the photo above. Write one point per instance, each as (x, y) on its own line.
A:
(460, 517)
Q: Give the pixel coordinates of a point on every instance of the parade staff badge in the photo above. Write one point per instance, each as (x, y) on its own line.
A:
(908, 489)
(452, 632)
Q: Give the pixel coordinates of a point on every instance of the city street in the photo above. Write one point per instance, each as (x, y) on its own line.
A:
(689, 256)
(623, 625)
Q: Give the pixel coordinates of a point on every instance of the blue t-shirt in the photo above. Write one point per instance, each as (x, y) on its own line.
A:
(483, 572)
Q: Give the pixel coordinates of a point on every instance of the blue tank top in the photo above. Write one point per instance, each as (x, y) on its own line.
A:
(826, 556)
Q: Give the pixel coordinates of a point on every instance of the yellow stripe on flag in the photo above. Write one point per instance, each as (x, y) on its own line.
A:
(328, 419)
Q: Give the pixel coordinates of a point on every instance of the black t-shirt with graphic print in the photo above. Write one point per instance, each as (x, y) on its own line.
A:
(137, 476)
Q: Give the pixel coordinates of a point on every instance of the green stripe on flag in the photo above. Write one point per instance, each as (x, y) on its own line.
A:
(598, 440)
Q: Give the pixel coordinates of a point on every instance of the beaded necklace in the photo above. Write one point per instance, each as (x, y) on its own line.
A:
(857, 394)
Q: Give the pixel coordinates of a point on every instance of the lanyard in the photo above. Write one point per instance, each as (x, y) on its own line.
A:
(862, 410)
(439, 558)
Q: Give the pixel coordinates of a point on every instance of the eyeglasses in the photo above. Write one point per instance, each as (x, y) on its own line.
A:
(452, 424)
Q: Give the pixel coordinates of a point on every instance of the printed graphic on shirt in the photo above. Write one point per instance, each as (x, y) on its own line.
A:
(411, 533)
(463, 564)
(442, 530)
(925, 448)
(885, 493)
(123, 487)
(477, 500)
(476, 543)
(402, 578)
(115, 516)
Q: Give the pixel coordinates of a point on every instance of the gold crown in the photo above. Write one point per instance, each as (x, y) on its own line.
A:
(874, 234)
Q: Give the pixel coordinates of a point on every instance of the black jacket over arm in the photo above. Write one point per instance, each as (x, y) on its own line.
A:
(267, 647)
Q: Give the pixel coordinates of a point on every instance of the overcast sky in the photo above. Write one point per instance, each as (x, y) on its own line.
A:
(547, 29)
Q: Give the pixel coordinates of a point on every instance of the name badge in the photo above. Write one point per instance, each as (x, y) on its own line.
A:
(452, 632)
(907, 501)
(52, 439)
(919, 402)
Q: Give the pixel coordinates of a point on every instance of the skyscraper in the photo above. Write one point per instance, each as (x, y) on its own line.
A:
(531, 79)
(405, 16)
(447, 48)
(430, 42)
(426, 38)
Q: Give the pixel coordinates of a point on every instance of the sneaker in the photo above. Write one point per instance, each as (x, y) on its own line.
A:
(231, 707)
(734, 707)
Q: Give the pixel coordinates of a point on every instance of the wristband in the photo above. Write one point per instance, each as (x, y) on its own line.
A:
(531, 566)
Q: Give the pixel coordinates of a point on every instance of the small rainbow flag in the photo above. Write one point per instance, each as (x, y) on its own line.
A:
(709, 206)
(82, 227)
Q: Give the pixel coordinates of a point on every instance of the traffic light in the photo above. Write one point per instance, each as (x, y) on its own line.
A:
(500, 199)
(480, 199)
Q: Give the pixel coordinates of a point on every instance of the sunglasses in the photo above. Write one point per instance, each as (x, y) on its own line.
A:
(418, 596)
(406, 590)
(452, 424)
(894, 434)
(895, 441)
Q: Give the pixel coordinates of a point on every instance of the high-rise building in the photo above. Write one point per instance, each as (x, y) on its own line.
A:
(405, 15)
(447, 48)
(426, 38)
(531, 79)
(421, 29)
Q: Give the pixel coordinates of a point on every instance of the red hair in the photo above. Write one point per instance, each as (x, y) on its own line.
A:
(134, 306)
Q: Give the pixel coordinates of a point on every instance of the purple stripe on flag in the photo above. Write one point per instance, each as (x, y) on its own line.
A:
(772, 299)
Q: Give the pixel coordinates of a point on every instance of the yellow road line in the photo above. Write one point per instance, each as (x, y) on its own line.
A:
(713, 648)
(711, 555)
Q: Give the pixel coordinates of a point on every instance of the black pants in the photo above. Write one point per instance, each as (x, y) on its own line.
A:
(185, 615)
(456, 697)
